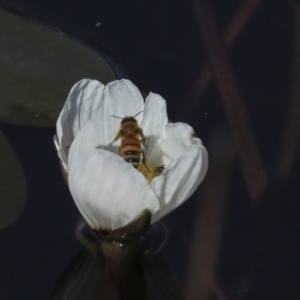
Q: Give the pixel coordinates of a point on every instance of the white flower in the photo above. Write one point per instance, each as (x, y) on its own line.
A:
(108, 191)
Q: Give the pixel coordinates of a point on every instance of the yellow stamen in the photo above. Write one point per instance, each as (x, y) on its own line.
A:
(149, 175)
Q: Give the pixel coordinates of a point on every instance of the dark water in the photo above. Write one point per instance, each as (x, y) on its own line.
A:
(157, 44)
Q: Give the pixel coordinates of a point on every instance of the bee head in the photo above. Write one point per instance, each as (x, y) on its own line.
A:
(128, 120)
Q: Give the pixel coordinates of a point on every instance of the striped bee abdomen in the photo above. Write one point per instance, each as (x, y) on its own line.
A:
(131, 151)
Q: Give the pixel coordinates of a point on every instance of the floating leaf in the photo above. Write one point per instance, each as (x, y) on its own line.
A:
(12, 185)
(38, 67)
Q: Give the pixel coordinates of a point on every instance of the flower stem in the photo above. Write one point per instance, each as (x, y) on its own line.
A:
(125, 269)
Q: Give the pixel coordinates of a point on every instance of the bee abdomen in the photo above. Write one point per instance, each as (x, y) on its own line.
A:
(132, 158)
(131, 151)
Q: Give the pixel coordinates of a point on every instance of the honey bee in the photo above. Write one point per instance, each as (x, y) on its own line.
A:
(132, 140)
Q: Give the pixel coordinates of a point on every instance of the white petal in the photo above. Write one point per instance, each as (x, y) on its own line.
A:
(122, 99)
(186, 165)
(155, 119)
(84, 100)
(108, 191)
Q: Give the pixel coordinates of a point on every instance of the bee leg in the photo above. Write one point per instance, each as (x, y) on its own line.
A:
(143, 141)
(144, 162)
(117, 137)
(159, 170)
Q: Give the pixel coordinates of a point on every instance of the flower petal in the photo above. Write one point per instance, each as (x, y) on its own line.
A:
(186, 163)
(84, 100)
(122, 99)
(108, 191)
(155, 118)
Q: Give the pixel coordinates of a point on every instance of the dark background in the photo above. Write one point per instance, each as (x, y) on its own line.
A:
(157, 44)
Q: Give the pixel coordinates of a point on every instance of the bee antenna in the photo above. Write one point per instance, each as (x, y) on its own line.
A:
(138, 113)
(116, 117)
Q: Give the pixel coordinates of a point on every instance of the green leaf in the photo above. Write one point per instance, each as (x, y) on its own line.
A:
(38, 67)
(13, 190)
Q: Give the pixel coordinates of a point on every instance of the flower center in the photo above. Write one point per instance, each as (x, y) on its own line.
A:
(154, 171)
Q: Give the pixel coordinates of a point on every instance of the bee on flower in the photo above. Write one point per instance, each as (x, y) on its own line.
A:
(115, 174)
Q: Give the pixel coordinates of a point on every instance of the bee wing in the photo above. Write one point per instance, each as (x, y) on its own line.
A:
(141, 161)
